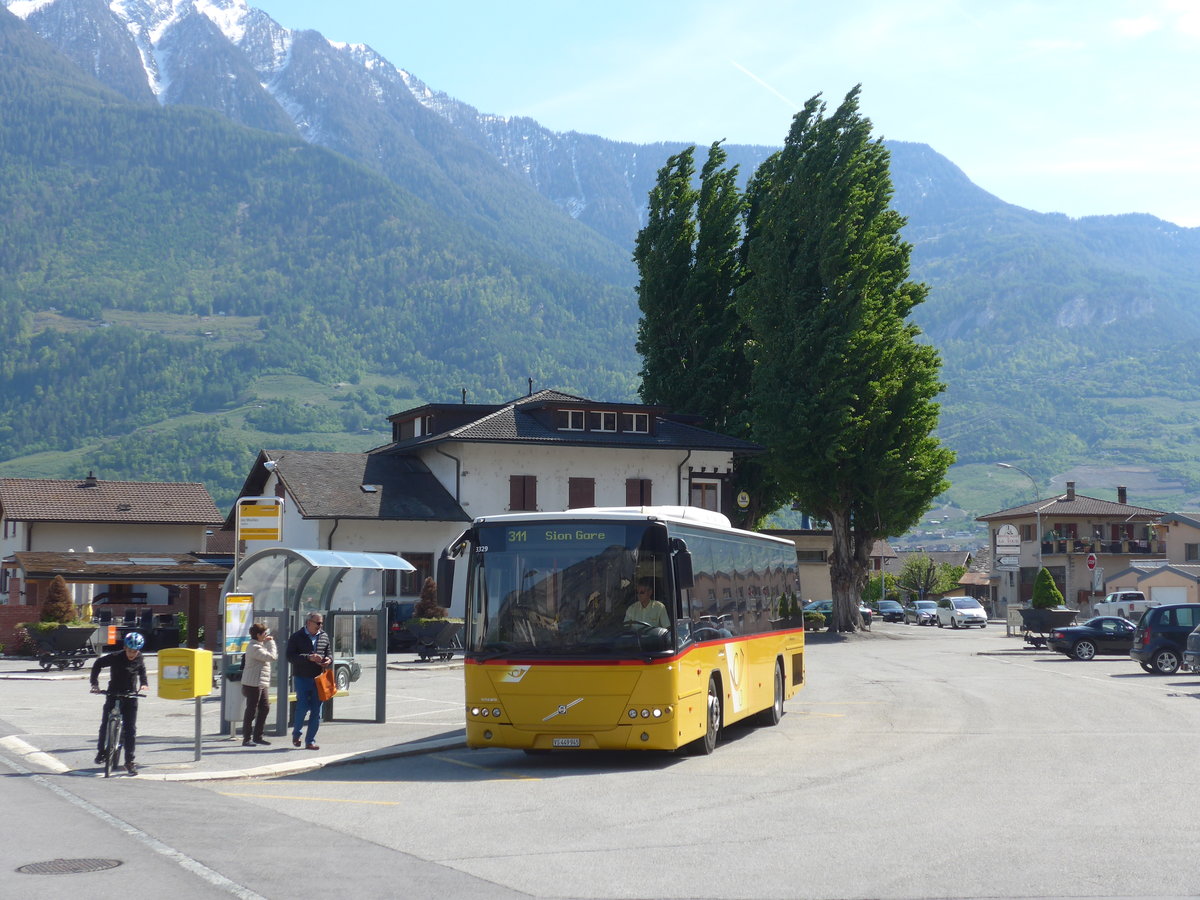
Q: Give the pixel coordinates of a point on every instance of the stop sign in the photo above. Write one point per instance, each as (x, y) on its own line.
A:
(1091, 560)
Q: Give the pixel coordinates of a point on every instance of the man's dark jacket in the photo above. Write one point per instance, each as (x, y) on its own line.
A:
(300, 645)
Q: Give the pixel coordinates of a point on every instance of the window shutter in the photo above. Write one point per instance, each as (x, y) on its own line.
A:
(581, 492)
(637, 492)
(522, 493)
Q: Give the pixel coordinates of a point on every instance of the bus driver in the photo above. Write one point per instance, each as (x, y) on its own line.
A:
(646, 609)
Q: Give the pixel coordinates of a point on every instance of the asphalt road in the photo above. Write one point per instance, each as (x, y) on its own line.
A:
(916, 763)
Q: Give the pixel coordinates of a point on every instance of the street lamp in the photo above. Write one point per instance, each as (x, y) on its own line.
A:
(1036, 492)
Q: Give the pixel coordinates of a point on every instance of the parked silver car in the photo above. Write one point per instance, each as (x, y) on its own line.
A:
(960, 612)
(921, 612)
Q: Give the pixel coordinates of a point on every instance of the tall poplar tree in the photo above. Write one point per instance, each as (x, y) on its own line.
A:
(842, 389)
(665, 255)
(690, 336)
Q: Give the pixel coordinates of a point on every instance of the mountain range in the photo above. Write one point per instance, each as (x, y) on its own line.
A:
(261, 236)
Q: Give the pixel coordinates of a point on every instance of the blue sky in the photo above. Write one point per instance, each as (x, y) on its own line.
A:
(1085, 107)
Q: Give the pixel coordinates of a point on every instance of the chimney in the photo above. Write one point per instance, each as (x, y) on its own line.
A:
(1121, 496)
(90, 481)
(1070, 490)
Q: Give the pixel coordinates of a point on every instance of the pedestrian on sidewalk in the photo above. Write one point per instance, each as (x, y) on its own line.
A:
(256, 684)
(308, 651)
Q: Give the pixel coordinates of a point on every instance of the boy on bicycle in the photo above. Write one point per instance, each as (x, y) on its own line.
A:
(127, 675)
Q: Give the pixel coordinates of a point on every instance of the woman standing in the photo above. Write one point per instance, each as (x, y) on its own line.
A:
(256, 683)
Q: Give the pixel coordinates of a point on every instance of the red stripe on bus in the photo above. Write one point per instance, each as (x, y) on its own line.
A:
(657, 661)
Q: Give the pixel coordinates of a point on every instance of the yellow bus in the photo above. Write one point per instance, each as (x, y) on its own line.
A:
(647, 628)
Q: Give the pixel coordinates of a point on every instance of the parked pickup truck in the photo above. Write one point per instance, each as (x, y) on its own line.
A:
(1125, 604)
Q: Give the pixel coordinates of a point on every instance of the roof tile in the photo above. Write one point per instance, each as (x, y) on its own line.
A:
(93, 500)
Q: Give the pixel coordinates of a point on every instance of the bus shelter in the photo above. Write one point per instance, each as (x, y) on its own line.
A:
(347, 588)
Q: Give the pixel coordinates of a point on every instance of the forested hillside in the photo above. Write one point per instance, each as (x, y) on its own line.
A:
(1065, 341)
(156, 262)
(178, 290)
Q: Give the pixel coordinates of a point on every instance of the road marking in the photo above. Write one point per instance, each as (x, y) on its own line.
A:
(1037, 664)
(310, 799)
(183, 860)
(32, 754)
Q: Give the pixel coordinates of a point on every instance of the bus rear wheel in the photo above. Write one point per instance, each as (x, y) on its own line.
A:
(773, 713)
(712, 721)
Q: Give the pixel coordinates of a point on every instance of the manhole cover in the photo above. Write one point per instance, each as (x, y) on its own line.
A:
(69, 866)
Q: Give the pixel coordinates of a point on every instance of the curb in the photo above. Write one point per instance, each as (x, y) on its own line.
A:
(299, 767)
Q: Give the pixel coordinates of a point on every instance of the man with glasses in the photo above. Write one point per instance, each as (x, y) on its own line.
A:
(308, 650)
(647, 609)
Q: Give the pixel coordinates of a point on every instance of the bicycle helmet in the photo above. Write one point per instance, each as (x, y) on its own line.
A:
(134, 641)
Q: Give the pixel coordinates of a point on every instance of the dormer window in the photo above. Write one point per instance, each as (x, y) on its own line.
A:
(570, 420)
(603, 421)
(639, 423)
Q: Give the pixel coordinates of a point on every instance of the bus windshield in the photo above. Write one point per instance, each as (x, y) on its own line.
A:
(572, 588)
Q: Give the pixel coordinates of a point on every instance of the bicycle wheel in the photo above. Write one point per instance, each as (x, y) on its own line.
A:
(112, 741)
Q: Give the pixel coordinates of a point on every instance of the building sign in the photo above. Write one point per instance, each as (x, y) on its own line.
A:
(1007, 536)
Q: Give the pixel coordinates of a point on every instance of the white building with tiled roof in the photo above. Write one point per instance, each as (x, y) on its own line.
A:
(1080, 540)
(148, 521)
(449, 463)
(125, 516)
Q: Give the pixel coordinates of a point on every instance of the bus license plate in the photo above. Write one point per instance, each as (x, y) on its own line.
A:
(564, 742)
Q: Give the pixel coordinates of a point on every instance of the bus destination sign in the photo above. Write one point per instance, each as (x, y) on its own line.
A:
(539, 536)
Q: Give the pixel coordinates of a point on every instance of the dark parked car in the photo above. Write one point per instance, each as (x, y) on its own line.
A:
(890, 611)
(346, 670)
(1101, 635)
(825, 607)
(1191, 654)
(1161, 636)
(921, 612)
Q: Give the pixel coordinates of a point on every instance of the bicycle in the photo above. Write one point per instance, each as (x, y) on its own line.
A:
(114, 733)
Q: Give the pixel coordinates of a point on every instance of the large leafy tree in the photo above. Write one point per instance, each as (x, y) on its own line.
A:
(920, 576)
(842, 390)
(690, 335)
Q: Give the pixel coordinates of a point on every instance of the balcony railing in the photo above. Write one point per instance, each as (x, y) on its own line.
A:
(1074, 545)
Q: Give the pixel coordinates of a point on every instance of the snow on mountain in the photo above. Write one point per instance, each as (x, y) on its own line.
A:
(227, 56)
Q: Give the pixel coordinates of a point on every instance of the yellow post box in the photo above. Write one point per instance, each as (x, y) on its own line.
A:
(184, 673)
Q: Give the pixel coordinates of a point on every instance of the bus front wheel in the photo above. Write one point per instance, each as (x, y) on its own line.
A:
(712, 721)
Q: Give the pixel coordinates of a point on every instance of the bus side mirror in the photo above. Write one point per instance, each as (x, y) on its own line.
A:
(445, 580)
(684, 579)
